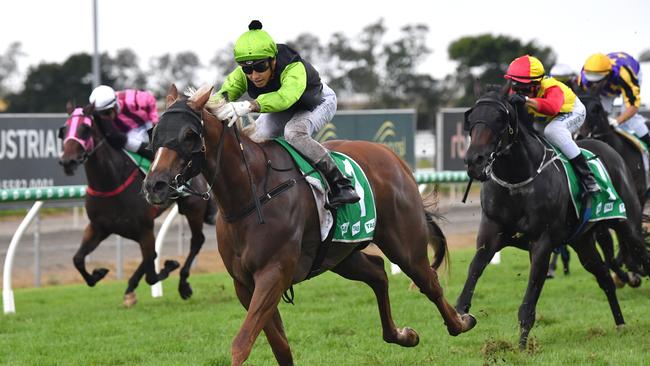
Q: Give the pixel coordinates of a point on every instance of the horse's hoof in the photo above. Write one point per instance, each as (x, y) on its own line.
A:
(171, 265)
(469, 321)
(185, 290)
(634, 280)
(620, 327)
(98, 274)
(130, 299)
(406, 337)
(617, 281)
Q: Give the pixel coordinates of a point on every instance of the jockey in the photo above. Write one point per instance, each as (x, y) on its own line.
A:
(549, 101)
(125, 117)
(566, 75)
(291, 97)
(612, 75)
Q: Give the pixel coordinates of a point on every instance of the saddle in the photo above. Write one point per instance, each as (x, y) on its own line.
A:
(355, 222)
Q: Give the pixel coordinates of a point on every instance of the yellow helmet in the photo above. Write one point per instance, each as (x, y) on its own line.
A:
(598, 62)
(597, 67)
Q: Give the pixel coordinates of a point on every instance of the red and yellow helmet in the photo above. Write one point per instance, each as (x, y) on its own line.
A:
(525, 69)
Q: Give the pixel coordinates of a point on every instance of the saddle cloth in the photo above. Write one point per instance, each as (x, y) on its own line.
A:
(643, 149)
(355, 222)
(140, 161)
(606, 204)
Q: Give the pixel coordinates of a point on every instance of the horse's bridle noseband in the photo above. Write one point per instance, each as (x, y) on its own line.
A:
(195, 158)
(511, 132)
(507, 131)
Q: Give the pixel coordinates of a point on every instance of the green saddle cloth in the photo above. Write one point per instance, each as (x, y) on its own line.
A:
(354, 222)
(140, 161)
(606, 204)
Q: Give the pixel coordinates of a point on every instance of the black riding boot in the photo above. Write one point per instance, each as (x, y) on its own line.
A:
(341, 190)
(210, 212)
(145, 152)
(587, 178)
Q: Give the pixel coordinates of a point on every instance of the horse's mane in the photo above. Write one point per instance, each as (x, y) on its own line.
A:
(215, 102)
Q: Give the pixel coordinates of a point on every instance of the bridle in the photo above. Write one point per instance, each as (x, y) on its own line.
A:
(94, 146)
(196, 157)
(511, 133)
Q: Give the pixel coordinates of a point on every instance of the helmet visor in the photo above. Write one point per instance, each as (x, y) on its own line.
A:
(595, 76)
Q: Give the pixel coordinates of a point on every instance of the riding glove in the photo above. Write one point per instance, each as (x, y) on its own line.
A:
(612, 121)
(515, 99)
(233, 110)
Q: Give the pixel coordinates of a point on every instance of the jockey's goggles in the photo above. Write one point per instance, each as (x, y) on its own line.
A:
(258, 66)
(524, 88)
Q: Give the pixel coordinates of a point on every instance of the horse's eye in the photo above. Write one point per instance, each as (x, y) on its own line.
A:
(83, 131)
(191, 141)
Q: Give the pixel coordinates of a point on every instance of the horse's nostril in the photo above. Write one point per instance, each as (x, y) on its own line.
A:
(159, 186)
(479, 159)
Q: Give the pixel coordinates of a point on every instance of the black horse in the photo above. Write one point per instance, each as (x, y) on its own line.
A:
(597, 126)
(525, 191)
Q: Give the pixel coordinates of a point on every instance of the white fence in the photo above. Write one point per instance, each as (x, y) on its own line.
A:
(40, 195)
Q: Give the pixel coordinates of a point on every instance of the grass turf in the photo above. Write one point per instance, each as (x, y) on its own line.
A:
(334, 322)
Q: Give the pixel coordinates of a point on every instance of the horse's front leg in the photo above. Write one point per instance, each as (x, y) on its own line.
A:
(148, 249)
(270, 283)
(540, 255)
(91, 238)
(359, 266)
(490, 239)
(146, 268)
(195, 221)
(274, 330)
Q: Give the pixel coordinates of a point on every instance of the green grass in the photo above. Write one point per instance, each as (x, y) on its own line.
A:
(334, 322)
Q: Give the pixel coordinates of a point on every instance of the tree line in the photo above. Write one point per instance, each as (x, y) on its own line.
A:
(366, 71)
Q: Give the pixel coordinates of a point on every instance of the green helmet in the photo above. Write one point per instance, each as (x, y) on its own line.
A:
(255, 44)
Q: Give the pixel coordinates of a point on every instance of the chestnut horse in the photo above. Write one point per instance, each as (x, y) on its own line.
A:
(266, 259)
(115, 204)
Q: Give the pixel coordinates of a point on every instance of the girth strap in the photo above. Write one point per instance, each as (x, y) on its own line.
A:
(263, 199)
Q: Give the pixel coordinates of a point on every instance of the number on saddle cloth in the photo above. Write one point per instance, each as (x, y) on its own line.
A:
(606, 204)
(355, 222)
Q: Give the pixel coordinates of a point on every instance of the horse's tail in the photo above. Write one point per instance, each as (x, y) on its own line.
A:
(437, 238)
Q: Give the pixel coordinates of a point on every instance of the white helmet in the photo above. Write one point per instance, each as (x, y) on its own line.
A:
(103, 97)
(562, 71)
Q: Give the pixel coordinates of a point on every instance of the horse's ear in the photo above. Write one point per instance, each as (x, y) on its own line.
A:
(89, 109)
(69, 107)
(172, 95)
(201, 97)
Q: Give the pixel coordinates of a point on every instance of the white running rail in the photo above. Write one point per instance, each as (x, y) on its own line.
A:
(7, 291)
(156, 289)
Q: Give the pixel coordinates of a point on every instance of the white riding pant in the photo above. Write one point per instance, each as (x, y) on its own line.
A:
(298, 126)
(136, 137)
(636, 124)
(561, 129)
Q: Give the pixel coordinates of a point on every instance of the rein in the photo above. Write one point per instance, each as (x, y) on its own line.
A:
(501, 150)
(180, 184)
(542, 165)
